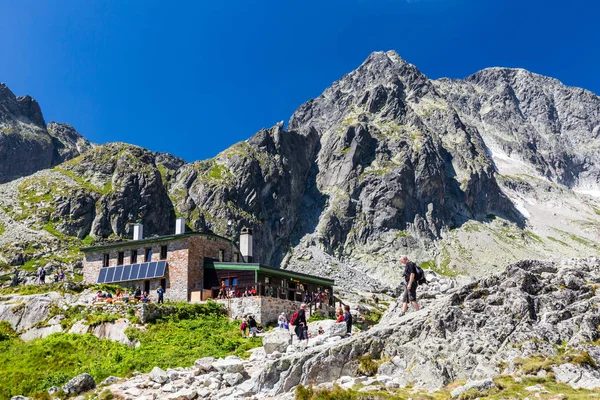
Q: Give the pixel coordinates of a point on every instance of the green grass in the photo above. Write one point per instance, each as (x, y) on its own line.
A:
(170, 342)
(2, 228)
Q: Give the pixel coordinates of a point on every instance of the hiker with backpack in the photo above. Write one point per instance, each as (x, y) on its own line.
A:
(413, 274)
(299, 322)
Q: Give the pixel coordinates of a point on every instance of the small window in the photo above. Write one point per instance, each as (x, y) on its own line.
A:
(221, 255)
(163, 252)
(148, 257)
(133, 256)
(236, 258)
(106, 260)
(120, 258)
(267, 280)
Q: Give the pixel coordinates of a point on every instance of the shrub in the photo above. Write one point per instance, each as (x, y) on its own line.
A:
(6, 331)
(367, 366)
(316, 317)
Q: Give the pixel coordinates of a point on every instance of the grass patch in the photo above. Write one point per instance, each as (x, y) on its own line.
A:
(2, 228)
(170, 342)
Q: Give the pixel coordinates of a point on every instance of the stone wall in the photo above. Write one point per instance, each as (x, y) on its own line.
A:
(266, 310)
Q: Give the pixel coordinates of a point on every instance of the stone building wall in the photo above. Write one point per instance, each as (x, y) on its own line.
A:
(266, 310)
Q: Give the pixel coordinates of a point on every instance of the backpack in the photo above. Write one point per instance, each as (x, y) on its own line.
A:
(294, 319)
(420, 276)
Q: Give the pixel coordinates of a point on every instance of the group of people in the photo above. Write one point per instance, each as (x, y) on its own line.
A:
(232, 292)
(317, 297)
(135, 294)
(250, 326)
(59, 275)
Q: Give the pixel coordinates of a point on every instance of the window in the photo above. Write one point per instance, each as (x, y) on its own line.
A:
(106, 260)
(221, 255)
(120, 258)
(133, 257)
(236, 258)
(163, 252)
(148, 257)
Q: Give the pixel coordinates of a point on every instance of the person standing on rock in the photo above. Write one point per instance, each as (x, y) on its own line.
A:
(410, 292)
(300, 323)
(161, 293)
(348, 319)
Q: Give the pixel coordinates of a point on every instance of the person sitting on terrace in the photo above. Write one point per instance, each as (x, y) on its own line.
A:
(145, 298)
(99, 296)
(137, 294)
(230, 293)
(119, 294)
(253, 291)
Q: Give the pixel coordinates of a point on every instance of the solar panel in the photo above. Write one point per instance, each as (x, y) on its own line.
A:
(110, 273)
(160, 268)
(126, 273)
(143, 271)
(118, 273)
(151, 270)
(135, 270)
(102, 275)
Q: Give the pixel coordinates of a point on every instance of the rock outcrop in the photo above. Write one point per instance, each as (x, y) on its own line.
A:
(27, 145)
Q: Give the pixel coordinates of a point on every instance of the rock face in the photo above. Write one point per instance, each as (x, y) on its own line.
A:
(459, 174)
(529, 309)
(81, 383)
(26, 144)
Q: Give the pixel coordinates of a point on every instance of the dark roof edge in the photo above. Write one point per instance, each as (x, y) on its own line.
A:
(278, 270)
(151, 240)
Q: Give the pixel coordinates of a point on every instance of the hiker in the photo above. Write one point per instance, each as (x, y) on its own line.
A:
(61, 275)
(340, 315)
(410, 293)
(252, 325)
(299, 321)
(348, 319)
(161, 293)
(281, 320)
(41, 276)
(56, 277)
(243, 327)
(137, 294)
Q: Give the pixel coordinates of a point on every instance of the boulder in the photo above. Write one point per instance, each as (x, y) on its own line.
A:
(158, 375)
(485, 384)
(278, 340)
(184, 394)
(577, 376)
(19, 398)
(114, 331)
(81, 383)
(229, 365)
(205, 364)
(40, 333)
(233, 379)
(338, 329)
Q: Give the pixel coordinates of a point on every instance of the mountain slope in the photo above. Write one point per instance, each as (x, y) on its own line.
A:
(462, 175)
(26, 144)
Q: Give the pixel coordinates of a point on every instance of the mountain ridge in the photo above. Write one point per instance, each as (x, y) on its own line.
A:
(385, 161)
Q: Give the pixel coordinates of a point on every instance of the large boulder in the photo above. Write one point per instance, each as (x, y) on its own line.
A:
(40, 333)
(158, 375)
(230, 364)
(81, 383)
(114, 331)
(205, 364)
(485, 384)
(338, 329)
(578, 376)
(278, 340)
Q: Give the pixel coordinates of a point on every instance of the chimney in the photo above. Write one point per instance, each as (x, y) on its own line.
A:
(138, 232)
(180, 226)
(246, 244)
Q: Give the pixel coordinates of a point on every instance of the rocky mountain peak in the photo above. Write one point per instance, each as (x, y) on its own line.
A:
(26, 144)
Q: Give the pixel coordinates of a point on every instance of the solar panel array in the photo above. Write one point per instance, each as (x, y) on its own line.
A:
(132, 272)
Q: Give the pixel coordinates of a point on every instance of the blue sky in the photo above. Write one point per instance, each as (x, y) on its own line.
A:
(192, 78)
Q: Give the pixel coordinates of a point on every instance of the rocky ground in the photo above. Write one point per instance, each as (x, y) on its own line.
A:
(535, 320)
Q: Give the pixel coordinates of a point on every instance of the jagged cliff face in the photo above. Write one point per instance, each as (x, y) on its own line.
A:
(461, 175)
(533, 118)
(26, 144)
